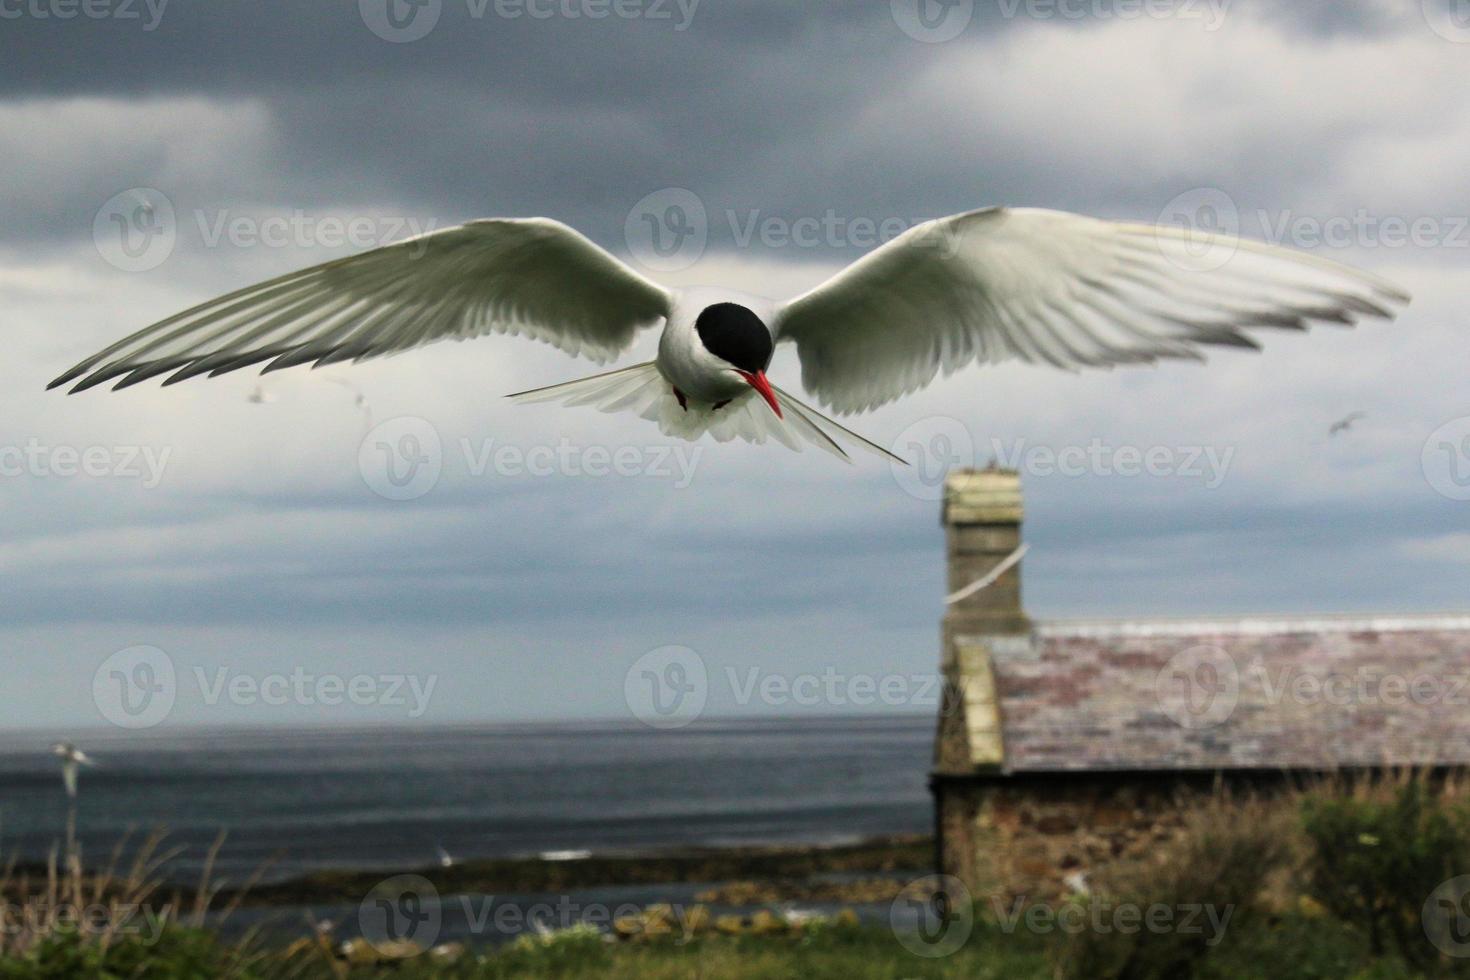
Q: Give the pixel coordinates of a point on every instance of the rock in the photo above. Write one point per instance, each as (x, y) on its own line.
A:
(447, 952)
(1054, 824)
(730, 925)
(628, 926)
(364, 952)
(764, 922)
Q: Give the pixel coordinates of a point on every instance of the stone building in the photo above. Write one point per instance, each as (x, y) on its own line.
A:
(1066, 745)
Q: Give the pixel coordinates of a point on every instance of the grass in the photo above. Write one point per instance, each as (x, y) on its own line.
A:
(847, 954)
(1297, 947)
(1316, 882)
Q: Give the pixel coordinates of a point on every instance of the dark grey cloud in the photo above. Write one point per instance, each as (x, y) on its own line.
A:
(754, 107)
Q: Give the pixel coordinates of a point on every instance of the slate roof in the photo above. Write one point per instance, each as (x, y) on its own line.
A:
(1261, 692)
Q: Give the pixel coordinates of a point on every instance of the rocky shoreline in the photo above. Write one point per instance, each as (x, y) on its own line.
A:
(776, 872)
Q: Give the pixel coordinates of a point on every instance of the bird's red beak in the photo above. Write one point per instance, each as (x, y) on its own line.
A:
(759, 383)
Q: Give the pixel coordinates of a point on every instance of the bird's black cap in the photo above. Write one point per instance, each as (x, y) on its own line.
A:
(735, 334)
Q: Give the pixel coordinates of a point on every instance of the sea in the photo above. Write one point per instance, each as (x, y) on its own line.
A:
(296, 801)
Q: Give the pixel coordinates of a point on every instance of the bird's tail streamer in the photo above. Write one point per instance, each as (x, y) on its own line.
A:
(642, 390)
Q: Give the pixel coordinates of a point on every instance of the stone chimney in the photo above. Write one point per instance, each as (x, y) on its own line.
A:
(982, 523)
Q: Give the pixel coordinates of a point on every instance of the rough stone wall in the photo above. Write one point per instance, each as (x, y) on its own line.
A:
(1012, 839)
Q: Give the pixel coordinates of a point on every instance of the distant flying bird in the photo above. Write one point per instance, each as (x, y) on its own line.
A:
(1345, 424)
(259, 396)
(986, 286)
(445, 859)
(72, 759)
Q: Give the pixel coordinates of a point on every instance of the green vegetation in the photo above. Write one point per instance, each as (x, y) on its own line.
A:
(1341, 881)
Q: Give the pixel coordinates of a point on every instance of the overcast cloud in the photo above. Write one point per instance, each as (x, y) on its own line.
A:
(230, 522)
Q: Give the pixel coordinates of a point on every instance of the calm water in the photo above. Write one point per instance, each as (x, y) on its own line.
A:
(385, 799)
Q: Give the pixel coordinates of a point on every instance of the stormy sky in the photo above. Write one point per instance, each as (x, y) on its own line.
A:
(157, 154)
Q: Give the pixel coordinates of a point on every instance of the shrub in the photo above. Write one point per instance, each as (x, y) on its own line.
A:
(1379, 850)
(1222, 859)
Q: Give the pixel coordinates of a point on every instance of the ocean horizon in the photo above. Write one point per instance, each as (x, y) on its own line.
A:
(298, 800)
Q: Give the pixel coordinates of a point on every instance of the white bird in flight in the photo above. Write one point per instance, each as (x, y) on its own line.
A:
(72, 759)
(981, 287)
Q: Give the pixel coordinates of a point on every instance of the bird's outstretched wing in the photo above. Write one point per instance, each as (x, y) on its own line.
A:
(529, 276)
(1053, 288)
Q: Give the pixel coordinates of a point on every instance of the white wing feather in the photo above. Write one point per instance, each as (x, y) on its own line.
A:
(530, 276)
(1053, 288)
